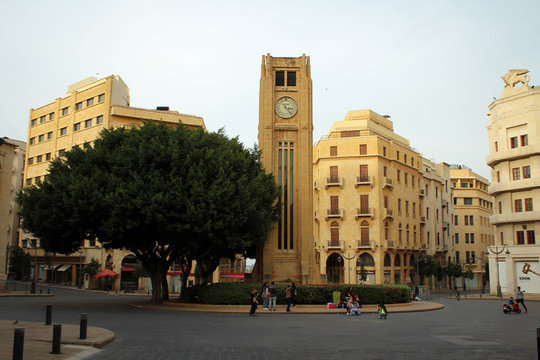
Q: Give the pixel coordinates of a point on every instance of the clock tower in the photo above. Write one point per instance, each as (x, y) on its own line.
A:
(286, 142)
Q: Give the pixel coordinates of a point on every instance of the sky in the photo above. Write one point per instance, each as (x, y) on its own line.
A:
(433, 66)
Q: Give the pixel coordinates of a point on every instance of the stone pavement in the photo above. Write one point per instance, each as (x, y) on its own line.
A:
(38, 340)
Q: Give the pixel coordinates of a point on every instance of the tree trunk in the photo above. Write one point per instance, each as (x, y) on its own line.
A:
(156, 286)
(165, 285)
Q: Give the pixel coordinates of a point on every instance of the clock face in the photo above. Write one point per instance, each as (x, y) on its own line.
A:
(286, 107)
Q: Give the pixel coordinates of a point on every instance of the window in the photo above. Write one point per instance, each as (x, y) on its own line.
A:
(39, 158)
(90, 102)
(405, 158)
(334, 234)
(280, 78)
(427, 213)
(515, 174)
(464, 184)
(385, 171)
(291, 78)
(334, 174)
(500, 207)
(397, 155)
(61, 152)
(30, 161)
(78, 106)
(467, 238)
(524, 140)
(520, 237)
(466, 220)
(51, 116)
(467, 201)
(37, 180)
(528, 204)
(455, 201)
(398, 176)
(65, 111)
(517, 205)
(363, 149)
(412, 161)
(457, 238)
(471, 220)
(41, 138)
(101, 98)
(399, 205)
(28, 182)
(472, 238)
(32, 140)
(457, 257)
(99, 120)
(414, 209)
(407, 207)
(530, 237)
(498, 176)
(526, 172)
(456, 219)
(412, 180)
(42, 119)
(49, 135)
(33, 122)
(333, 150)
(77, 126)
(48, 156)
(63, 131)
(88, 123)
(513, 142)
(384, 151)
(496, 146)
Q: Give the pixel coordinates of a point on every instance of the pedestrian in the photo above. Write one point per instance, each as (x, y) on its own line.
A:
(382, 311)
(293, 295)
(265, 295)
(254, 302)
(458, 295)
(520, 298)
(355, 306)
(288, 297)
(273, 296)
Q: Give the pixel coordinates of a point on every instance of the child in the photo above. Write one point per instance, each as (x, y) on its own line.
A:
(382, 311)
(254, 302)
(355, 306)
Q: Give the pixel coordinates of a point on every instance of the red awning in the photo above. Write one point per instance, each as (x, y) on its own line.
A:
(105, 273)
(174, 273)
(232, 275)
(128, 269)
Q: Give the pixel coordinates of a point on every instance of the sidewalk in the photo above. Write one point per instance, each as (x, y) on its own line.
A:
(38, 340)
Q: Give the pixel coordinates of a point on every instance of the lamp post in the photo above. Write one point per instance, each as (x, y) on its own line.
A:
(496, 252)
(33, 285)
(348, 263)
(80, 268)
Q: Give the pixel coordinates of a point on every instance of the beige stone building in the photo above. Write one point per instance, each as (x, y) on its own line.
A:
(473, 206)
(89, 106)
(12, 154)
(514, 157)
(285, 138)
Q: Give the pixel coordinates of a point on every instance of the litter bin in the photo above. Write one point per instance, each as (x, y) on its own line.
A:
(336, 296)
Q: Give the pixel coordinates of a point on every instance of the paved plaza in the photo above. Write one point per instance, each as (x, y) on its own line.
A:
(471, 329)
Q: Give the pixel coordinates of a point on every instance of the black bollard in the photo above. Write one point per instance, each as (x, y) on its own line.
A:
(48, 290)
(56, 338)
(18, 344)
(48, 315)
(84, 326)
(40, 290)
(538, 341)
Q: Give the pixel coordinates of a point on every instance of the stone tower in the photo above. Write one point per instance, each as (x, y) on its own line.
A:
(286, 142)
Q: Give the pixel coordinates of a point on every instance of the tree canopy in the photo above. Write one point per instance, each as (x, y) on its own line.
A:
(163, 193)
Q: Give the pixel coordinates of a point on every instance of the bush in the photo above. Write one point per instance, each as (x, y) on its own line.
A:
(238, 293)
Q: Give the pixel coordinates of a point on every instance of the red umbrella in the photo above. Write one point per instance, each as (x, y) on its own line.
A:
(105, 273)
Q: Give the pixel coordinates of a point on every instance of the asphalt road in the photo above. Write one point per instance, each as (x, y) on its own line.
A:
(469, 329)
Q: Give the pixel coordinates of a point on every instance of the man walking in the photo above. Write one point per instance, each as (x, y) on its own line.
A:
(273, 296)
(520, 298)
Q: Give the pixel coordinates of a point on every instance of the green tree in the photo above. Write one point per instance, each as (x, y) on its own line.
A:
(426, 266)
(20, 263)
(93, 267)
(363, 273)
(159, 192)
(140, 271)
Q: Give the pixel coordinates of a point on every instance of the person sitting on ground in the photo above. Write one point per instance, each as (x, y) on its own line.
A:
(382, 310)
(354, 307)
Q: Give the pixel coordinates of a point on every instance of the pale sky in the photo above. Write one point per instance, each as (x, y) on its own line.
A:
(433, 66)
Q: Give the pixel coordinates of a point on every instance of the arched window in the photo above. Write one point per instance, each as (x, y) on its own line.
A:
(397, 260)
(386, 230)
(334, 233)
(405, 260)
(387, 261)
(364, 233)
(365, 259)
(412, 261)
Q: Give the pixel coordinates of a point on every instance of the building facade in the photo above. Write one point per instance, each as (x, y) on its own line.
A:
(12, 153)
(473, 206)
(286, 142)
(89, 106)
(514, 158)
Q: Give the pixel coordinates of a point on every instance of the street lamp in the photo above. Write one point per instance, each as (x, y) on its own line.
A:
(348, 263)
(497, 252)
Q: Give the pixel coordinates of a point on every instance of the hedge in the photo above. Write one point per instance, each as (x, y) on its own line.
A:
(238, 293)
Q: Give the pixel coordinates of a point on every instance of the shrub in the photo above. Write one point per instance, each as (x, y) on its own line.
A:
(238, 293)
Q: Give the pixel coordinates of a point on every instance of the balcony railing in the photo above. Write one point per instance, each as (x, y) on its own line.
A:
(335, 244)
(444, 203)
(422, 193)
(364, 212)
(388, 182)
(334, 181)
(445, 224)
(389, 244)
(422, 220)
(388, 214)
(363, 244)
(334, 213)
(363, 180)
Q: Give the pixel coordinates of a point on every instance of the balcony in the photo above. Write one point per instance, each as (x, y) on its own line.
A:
(363, 180)
(316, 215)
(422, 193)
(334, 213)
(389, 244)
(365, 244)
(389, 214)
(524, 216)
(389, 183)
(316, 185)
(445, 248)
(334, 181)
(364, 212)
(445, 225)
(422, 220)
(424, 246)
(444, 203)
(335, 244)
